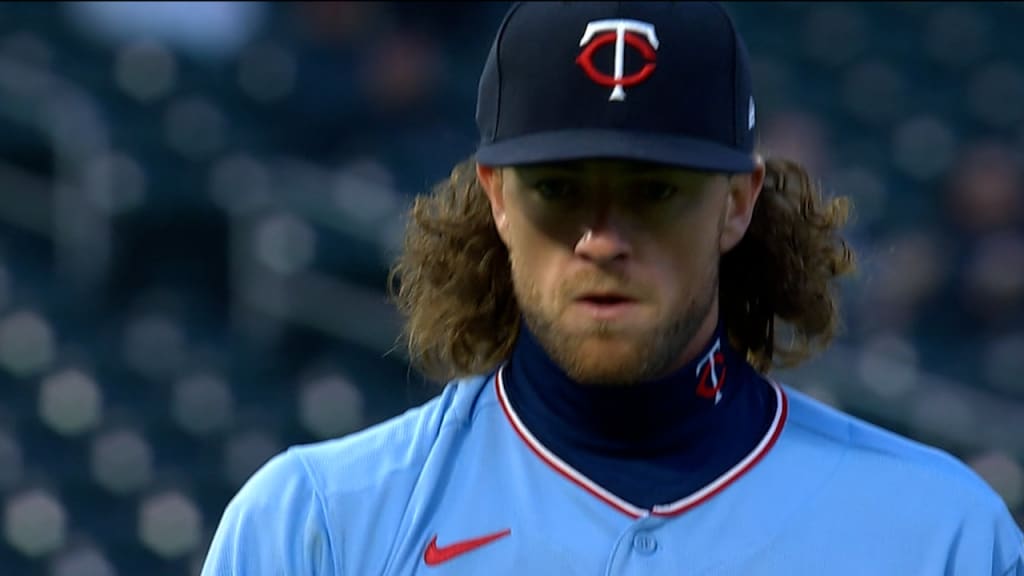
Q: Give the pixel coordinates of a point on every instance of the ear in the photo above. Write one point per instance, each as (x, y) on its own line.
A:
(490, 180)
(744, 190)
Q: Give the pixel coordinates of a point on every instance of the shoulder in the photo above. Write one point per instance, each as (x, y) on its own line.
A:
(386, 450)
(294, 514)
(909, 481)
(870, 444)
(273, 524)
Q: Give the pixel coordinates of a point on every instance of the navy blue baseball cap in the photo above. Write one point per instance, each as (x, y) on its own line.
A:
(663, 82)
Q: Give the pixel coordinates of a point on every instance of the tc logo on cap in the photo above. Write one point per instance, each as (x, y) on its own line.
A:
(639, 35)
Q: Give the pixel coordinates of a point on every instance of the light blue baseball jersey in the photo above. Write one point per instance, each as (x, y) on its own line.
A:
(458, 486)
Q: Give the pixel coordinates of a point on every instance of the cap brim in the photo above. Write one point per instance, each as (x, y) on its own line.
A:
(583, 144)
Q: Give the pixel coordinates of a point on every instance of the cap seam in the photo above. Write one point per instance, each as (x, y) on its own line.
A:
(497, 66)
(737, 140)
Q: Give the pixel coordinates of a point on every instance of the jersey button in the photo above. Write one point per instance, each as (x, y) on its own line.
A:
(645, 543)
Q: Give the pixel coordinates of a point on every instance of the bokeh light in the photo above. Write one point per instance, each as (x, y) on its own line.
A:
(82, 561)
(245, 452)
(70, 402)
(27, 343)
(35, 523)
(1004, 474)
(121, 461)
(203, 404)
(146, 70)
(170, 524)
(331, 406)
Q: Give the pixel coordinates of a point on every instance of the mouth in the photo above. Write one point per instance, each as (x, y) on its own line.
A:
(605, 299)
(606, 305)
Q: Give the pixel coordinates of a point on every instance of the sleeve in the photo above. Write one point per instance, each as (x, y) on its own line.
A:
(1017, 568)
(274, 525)
(989, 541)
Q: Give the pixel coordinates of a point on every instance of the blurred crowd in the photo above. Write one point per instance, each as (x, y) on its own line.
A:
(199, 203)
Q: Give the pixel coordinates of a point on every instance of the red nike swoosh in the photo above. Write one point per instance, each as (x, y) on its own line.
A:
(435, 555)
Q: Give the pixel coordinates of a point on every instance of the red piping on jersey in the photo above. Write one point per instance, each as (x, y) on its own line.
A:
(673, 509)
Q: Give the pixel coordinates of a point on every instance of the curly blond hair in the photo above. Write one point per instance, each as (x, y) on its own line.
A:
(453, 284)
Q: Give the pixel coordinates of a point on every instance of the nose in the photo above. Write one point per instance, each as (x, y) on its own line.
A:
(604, 241)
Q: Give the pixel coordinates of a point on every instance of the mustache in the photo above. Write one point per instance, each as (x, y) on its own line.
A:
(587, 283)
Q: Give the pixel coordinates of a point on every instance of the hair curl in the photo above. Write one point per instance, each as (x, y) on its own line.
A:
(453, 285)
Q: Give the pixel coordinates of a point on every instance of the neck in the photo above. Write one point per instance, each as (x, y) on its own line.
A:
(697, 348)
(648, 415)
(654, 442)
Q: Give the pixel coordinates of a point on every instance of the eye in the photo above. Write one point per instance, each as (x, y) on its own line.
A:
(556, 189)
(656, 191)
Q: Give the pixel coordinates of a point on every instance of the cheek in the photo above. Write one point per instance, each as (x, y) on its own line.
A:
(535, 260)
(686, 265)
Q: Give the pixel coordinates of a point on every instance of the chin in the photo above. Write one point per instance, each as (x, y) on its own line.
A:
(606, 360)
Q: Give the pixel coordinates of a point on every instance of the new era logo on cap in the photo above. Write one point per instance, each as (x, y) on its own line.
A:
(638, 35)
(664, 82)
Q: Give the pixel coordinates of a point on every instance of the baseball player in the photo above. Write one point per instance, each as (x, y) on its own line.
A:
(599, 287)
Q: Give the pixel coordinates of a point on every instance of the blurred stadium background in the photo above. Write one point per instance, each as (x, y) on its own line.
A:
(199, 202)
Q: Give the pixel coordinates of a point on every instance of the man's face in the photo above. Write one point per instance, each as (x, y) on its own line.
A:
(614, 264)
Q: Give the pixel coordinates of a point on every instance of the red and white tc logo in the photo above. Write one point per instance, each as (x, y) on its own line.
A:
(639, 35)
(710, 383)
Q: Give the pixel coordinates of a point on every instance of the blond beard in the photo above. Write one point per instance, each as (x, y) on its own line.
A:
(641, 356)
